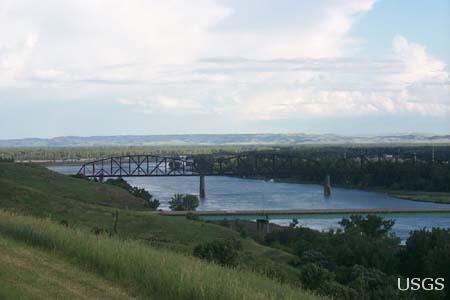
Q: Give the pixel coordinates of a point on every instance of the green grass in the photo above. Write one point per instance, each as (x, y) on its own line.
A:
(148, 272)
(437, 197)
(33, 190)
(29, 273)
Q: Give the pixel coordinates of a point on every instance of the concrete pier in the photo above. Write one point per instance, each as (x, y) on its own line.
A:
(327, 186)
(262, 225)
(202, 186)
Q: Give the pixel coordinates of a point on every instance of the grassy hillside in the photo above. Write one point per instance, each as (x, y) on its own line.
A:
(31, 189)
(34, 189)
(146, 272)
(29, 273)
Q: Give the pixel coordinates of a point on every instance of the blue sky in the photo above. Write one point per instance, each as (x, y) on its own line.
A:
(82, 67)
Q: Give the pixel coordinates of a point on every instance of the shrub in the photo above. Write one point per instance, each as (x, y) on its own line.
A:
(181, 202)
(223, 252)
(313, 276)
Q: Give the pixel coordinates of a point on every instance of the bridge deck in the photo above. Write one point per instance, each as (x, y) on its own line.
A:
(308, 212)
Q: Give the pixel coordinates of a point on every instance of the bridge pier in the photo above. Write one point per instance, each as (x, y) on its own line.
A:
(262, 225)
(327, 186)
(202, 186)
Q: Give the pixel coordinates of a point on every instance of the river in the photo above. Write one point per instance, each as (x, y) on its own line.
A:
(231, 193)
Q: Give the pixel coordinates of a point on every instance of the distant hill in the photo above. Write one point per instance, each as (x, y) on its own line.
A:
(220, 139)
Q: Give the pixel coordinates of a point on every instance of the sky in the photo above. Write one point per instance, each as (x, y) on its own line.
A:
(111, 67)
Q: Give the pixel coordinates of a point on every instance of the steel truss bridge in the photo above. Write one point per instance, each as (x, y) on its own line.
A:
(242, 164)
(232, 165)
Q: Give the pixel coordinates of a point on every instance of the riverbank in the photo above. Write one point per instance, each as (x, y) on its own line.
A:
(435, 197)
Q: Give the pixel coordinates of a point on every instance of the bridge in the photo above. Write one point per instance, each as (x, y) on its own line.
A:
(290, 213)
(246, 164)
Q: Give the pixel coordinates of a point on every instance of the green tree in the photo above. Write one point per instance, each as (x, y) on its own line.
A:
(149, 201)
(181, 202)
(427, 254)
(371, 225)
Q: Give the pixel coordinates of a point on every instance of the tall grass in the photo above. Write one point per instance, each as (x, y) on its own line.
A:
(149, 273)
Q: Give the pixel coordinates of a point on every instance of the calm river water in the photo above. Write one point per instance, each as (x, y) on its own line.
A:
(230, 193)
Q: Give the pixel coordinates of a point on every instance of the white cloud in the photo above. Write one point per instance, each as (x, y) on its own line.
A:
(163, 104)
(79, 37)
(417, 64)
(14, 58)
(208, 56)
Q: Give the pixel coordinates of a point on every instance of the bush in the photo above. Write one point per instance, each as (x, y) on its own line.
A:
(223, 252)
(313, 276)
(180, 202)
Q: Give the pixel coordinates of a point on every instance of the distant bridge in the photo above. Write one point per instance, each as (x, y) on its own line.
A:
(242, 164)
(247, 164)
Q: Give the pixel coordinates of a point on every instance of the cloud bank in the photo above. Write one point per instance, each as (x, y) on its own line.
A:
(258, 60)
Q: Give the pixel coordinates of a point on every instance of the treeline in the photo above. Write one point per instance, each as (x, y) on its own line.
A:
(82, 153)
(440, 152)
(407, 175)
(364, 260)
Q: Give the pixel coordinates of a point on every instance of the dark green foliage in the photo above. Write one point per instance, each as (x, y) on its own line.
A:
(223, 252)
(182, 202)
(364, 260)
(427, 254)
(313, 276)
(370, 225)
(317, 278)
(373, 284)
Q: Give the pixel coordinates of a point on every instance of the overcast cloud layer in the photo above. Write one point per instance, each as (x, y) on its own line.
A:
(209, 66)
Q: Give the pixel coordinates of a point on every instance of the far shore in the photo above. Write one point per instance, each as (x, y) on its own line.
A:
(421, 196)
